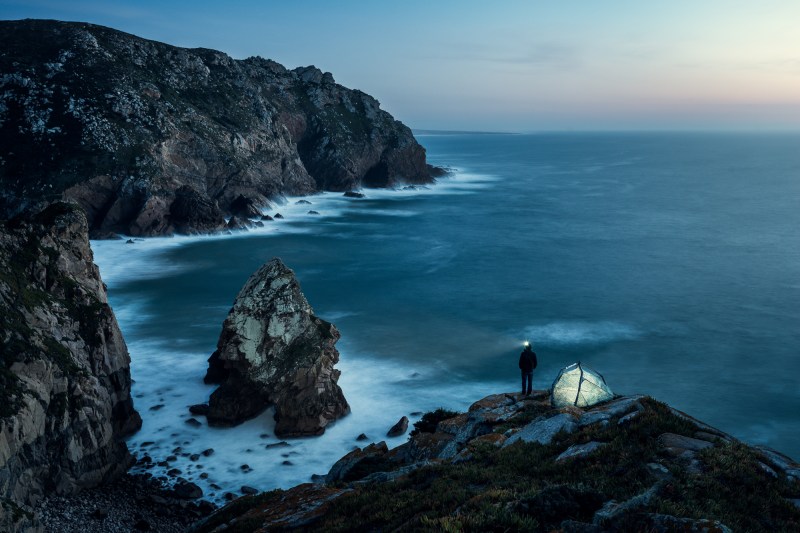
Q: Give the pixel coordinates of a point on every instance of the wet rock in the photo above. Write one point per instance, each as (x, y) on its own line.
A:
(281, 444)
(174, 472)
(186, 490)
(399, 428)
(157, 407)
(129, 241)
(302, 202)
(358, 462)
(208, 452)
(274, 351)
(354, 194)
(248, 490)
(278, 215)
(200, 409)
(266, 218)
(244, 207)
(194, 457)
(312, 212)
(194, 422)
(362, 437)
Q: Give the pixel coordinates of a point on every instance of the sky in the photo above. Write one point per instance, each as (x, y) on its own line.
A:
(534, 65)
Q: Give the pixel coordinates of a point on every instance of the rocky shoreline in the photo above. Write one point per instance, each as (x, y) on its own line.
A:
(152, 139)
(131, 503)
(515, 463)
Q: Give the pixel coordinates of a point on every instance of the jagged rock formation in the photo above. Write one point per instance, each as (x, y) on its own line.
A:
(515, 463)
(65, 400)
(274, 351)
(152, 139)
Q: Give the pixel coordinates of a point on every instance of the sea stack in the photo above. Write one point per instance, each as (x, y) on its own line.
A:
(65, 402)
(273, 350)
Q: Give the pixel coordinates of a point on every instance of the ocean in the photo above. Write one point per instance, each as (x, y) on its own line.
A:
(670, 263)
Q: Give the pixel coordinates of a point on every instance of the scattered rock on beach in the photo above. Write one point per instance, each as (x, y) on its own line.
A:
(200, 409)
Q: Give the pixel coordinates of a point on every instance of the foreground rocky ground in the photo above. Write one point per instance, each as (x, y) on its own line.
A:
(514, 463)
(132, 503)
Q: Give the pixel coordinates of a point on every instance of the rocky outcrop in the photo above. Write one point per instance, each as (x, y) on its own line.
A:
(274, 351)
(152, 139)
(516, 463)
(65, 382)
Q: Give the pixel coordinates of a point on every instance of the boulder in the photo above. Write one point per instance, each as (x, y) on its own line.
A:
(580, 450)
(200, 409)
(354, 194)
(273, 350)
(678, 444)
(399, 428)
(359, 463)
(544, 430)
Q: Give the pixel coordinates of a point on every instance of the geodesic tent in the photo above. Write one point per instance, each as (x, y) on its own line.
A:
(580, 386)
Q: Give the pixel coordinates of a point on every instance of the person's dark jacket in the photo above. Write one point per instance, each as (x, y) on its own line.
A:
(527, 361)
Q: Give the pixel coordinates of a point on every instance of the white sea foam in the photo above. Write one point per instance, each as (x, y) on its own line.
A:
(168, 378)
(577, 333)
(379, 393)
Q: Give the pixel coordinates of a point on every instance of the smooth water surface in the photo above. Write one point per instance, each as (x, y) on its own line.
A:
(670, 263)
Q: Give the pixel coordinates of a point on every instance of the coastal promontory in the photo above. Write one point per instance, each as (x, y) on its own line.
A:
(152, 139)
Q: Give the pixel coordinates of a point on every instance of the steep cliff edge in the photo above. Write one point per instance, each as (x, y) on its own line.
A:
(65, 400)
(273, 350)
(515, 463)
(152, 139)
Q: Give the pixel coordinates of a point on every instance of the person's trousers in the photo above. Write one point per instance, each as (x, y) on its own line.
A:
(527, 378)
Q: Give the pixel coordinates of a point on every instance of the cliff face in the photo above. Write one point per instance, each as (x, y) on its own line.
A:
(65, 382)
(152, 139)
(273, 350)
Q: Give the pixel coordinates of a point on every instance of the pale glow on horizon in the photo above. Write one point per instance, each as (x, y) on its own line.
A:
(515, 65)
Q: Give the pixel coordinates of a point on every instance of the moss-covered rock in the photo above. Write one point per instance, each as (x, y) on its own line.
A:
(65, 401)
(634, 481)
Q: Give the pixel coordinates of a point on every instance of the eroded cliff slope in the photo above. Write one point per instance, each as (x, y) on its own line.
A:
(65, 401)
(152, 139)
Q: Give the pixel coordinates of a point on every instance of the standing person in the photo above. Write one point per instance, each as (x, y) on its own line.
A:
(527, 362)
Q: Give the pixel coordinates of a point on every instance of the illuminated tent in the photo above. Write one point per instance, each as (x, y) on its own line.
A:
(580, 386)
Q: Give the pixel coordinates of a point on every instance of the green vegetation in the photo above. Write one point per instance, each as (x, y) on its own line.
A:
(522, 487)
(429, 421)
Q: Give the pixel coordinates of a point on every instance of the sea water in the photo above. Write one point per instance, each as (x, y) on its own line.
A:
(670, 263)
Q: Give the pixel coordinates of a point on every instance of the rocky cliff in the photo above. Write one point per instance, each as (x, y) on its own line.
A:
(515, 463)
(65, 382)
(152, 139)
(274, 351)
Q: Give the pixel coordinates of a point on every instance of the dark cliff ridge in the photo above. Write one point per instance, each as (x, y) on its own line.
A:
(152, 139)
(516, 463)
(65, 401)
